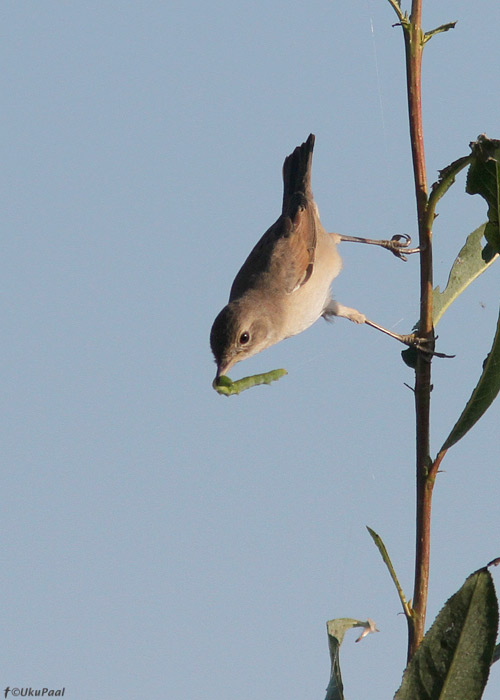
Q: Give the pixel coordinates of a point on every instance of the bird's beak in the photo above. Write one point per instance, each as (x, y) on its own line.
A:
(224, 367)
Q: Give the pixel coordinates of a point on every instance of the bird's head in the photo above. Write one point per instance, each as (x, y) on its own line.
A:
(241, 330)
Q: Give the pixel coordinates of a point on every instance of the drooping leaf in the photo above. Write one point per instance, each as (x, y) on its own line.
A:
(483, 395)
(454, 658)
(496, 654)
(468, 265)
(484, 178)
(387, 560)
(225, 386)
(336, 630)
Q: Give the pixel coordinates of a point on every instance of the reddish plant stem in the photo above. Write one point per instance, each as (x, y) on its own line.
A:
(424, 474)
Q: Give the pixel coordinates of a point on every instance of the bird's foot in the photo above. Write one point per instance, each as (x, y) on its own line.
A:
(399, 245)
(425, 345)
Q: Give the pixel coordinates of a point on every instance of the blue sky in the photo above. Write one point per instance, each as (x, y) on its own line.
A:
(160, 540)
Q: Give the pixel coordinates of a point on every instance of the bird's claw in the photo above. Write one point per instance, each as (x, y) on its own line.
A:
(399, 245)
(425, 345)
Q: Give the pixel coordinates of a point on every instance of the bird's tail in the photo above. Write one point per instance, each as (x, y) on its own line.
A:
(297, 175)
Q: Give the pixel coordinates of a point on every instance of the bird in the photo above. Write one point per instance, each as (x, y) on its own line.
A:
(283, 286)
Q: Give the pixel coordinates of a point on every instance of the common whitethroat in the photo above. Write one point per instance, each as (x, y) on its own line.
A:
(283, 286)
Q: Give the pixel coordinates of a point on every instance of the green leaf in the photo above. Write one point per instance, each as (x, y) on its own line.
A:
(387, 560)
(483, 395)
(496, 654)
(225, 386)
(484, 178)
(454, 658)
(468, 265)
(336, 630)
(445, 181)
(443, 28)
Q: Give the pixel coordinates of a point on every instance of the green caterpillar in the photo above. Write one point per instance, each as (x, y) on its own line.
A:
(225, 386)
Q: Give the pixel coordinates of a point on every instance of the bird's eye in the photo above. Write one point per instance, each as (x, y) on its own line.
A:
(244, 338)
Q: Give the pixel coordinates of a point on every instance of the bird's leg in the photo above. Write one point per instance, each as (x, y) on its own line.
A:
(411, 339)
(398, 245)
(425, 345)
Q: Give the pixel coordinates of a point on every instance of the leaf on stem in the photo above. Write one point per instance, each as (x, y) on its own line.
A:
(445, 181)
(472, 260)
(484, 178)
(483, 395)
(442, 28)
(468, 265)
(454, 658)
(387, 560)
(336, 630)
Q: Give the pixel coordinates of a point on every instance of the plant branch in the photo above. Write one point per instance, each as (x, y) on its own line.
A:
(414, 42)
(397, 9)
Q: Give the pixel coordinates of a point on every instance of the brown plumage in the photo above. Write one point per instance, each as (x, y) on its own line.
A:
(281, 288)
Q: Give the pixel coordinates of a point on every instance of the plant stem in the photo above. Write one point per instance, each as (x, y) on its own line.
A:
(414, 43)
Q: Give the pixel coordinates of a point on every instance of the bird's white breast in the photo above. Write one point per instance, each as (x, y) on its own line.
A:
(306, 304)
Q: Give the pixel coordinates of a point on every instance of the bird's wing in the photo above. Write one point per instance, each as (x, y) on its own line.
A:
(284, 256)
(295, 253)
